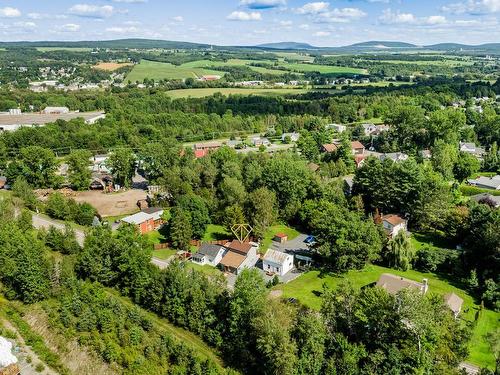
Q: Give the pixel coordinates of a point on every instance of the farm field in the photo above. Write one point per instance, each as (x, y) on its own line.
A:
(207, 64)
(323, 69)
(111, 66)
(158, 70)
(450, 63)
(200, 93)
(307, 289)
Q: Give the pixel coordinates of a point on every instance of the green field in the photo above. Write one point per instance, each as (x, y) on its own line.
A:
(157, 70)
(451, 63)
(323, 69)
(308, 289)
(207, 64)
(215, 232)
(164, 253)
(200, 93)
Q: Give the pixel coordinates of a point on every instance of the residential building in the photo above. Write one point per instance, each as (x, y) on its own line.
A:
(209, 254)
(336, 127)
(329, 147)
(12, 122)
(147, 220)
(483, 182)
(294, 137)
(369, 129)
(203, 149)
(357, 148)
(394, 284)
(489, 199)
(3, 181)
(393, 224)
(277, 262)
(472, 149)
(239, 255)
(259, 141)
(394, 156)
(454, 302)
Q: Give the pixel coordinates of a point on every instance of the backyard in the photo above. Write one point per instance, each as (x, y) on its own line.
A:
(308, 288)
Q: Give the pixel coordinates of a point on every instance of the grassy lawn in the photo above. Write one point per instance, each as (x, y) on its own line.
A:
(419, 240)
(206, 269)
(200, 93)
(216, 232)
(308, 289)
(272, 231)
(158, 70)
(164, 253)
(5, 193)
(72, 49)
(155, 237)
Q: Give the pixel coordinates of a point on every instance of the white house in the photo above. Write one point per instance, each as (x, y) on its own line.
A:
(277, 262)
(369, 129)
(394, 156)
(294, 137)
(393, 224)
(337, 127)
(259, 141)
(209, 254)
(483, 182)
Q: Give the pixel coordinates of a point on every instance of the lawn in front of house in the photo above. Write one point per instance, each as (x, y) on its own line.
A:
(155, 237)
(275, 229)
(308, 288)
(164, 254)
(420, 240)
(206, 269)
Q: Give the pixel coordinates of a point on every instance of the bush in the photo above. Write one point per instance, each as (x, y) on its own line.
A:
(431, 259)
(472, 190)
(61, 208)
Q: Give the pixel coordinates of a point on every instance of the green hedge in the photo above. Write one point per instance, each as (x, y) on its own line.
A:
(472, 190)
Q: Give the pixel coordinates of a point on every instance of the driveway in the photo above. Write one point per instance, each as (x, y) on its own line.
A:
(292, 246)
(40, 221)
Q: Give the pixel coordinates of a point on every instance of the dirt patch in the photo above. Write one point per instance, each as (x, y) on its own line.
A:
(111, 66)
(75, 357)
(112, 204)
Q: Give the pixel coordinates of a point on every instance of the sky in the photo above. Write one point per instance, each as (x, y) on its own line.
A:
(252, 22)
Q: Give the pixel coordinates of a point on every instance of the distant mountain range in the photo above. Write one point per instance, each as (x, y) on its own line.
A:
(365, 47)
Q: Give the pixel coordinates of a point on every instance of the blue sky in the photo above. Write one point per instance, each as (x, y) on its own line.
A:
(250, 22)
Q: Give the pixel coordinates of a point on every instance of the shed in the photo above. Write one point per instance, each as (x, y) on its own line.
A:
(280, 237)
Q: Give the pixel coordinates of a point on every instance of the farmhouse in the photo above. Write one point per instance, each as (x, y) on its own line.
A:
(209, 254)
(259, 141)
(147, 220)
(203, 149)
(472, 149)
(394, 284)
(482, 182)
(239, 255)
(277, 262)
(357, 148)
(393, 224)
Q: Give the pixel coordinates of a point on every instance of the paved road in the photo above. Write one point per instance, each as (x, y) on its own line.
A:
(469, 368)
(162, 263)
(40, 221)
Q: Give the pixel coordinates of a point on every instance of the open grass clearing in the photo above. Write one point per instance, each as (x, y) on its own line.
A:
(309, 287)
(206, 269)
(164, 254)
(323, 69)
(200, 93)
(158, 70)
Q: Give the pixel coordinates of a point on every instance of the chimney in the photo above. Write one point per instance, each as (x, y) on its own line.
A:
(426, 285)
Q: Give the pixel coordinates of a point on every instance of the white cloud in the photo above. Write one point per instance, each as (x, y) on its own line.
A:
(262, 4)
(314, 8)
(389, 17)
(178, 19)
(475, 7)
(321, 34)
(130, 1)
(9, 12)
(28, 25)
(43, 16)
(244, 16)
(91, 11)
(122, 30)
(304, 26)
(69, 27)
(286, 23)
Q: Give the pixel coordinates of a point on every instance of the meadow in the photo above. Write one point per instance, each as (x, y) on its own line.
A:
(158, 70)
(72, 49)
(200, 93)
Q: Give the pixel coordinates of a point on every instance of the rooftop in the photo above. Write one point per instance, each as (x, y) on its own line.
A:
(137, 218)
(394, 284)
(238, 246)
(233, 260)
(454, 302)
(276, 257)
(42, 118)
(210, 250)
(393, 219)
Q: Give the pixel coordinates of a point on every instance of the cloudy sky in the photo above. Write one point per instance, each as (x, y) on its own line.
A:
(249, 22)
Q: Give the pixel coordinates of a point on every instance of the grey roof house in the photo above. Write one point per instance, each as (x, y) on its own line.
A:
(209, 254)
(486, 182)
